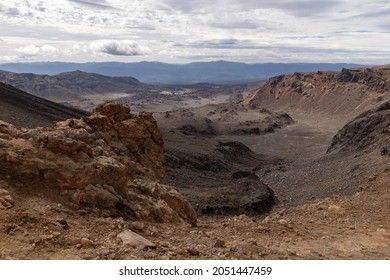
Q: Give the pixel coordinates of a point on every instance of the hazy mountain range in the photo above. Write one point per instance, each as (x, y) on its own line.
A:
(222, 72)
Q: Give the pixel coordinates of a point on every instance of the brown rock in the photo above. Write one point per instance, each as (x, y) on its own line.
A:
(193, 251)
(137, 225)
(6, 200)
(132, 239)
(96, 162)
(87, 243)
(219, 243)
(166, 204)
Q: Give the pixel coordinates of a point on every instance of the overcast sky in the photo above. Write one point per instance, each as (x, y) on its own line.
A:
(180, 31)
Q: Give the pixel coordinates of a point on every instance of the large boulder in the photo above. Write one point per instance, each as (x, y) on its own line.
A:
(96, 161)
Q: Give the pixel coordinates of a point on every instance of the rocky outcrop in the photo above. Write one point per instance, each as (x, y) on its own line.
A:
(112, 160)
(367, 132)
(374, 78)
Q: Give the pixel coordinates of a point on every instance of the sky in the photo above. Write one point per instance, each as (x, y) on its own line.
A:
(179, 31)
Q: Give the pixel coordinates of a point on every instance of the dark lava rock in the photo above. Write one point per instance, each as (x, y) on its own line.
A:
(368, 131)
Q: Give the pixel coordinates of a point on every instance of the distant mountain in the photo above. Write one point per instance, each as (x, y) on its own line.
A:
(220, 72)
(25, 110)
(70, 85)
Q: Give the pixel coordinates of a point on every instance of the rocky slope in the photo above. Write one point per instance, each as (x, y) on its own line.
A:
(367, 132)
(25, 110)
(67, 86)
(339, 227)
(111, 162)
(344, 94)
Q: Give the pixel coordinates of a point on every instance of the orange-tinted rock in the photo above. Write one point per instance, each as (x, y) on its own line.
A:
(96, 160)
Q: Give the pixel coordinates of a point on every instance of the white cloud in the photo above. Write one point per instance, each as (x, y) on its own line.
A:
(269, 30)
(33, 50)
(6, 59)
(119, 47)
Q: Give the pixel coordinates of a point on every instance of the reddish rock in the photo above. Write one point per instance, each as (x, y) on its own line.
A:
(97, 160)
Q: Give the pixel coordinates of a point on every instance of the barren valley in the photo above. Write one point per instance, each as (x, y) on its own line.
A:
(294, 168)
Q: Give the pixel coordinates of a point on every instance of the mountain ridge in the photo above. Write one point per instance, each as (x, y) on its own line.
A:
(69, 85)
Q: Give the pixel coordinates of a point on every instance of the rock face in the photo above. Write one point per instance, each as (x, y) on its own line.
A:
(96, 161)
(367, 132)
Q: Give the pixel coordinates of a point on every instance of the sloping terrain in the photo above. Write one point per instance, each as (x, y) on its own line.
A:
(343, 94)
(367, 132)
(339, 227)
(25, 110)
(70, 86)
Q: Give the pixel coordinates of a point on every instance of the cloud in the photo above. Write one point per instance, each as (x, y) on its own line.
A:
(10, 11)
(384, 12)
(119, 48)
(32, 50)
(7, 58)
(220, 44)
(99, 4)
(298, 8)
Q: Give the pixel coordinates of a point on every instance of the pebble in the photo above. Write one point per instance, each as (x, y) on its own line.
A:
(283, 222)
(137, 225)
(251, 241)
(193, 251)
(334, 207)
(64, 224)
(261, 228)
(219, 243)
(86, 243)
(47, 237)
(129, 237)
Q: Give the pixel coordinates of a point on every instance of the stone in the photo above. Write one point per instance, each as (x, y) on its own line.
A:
(6, 200)
(137, 225)
(251, 241)
(193, 251)
(219, 243)
(135, 240)
(165, 203)
(283, 222)
(86, 243)
(334, 208)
